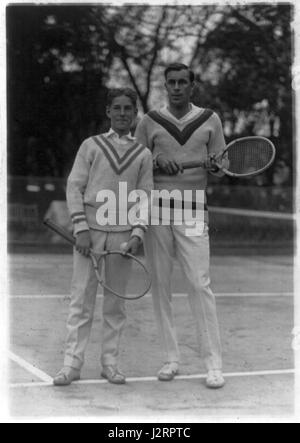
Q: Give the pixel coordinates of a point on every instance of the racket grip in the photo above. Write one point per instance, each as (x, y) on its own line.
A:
(60, 231)
(192, 164)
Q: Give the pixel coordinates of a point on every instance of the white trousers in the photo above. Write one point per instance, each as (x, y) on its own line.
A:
(163, 244)
(83, 298)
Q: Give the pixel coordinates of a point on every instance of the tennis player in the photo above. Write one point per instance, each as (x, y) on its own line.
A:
(102, 163)
(181, 132)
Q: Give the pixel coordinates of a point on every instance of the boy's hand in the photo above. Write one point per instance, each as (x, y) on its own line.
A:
(169, 165)
(84, 243)
(132, 246)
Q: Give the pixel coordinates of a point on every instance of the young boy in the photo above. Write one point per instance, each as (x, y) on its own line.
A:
(101, 164)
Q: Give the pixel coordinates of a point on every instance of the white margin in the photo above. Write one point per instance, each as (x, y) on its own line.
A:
(3, 234)
(296, 73)
(3, 211)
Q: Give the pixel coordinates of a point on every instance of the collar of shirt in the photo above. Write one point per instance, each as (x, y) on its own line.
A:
(124, 139)
(194, 110)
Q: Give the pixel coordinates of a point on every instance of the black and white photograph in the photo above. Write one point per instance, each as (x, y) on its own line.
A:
(149, 214)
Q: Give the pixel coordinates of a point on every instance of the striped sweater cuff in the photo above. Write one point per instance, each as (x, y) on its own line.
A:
(79, 222)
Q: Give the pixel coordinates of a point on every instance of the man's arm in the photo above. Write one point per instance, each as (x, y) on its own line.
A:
(141, 134)
(160, 160)
(217, 144)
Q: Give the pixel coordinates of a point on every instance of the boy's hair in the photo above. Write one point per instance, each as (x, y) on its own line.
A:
(179, 67)
(118, 92)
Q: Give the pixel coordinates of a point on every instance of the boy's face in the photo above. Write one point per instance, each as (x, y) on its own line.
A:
(179, 87)
(122, 113)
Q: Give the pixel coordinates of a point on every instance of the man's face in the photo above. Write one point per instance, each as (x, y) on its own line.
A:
(179, 87)
(122, 113)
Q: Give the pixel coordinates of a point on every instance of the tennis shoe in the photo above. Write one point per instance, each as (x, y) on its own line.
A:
(66, 376)
(112, 374)
(168, 371)
(215, 379)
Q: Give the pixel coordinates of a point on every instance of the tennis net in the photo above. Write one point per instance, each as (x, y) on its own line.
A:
(240, 216)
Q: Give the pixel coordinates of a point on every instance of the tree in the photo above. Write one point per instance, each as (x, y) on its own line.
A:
(56, 87)
(61, 59)
(143, 39)
(246, 64)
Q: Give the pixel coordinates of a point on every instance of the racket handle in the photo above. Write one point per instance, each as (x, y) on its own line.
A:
(60, 231)
(192, 164)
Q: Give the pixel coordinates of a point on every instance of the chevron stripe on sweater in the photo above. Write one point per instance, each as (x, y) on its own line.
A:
(119, 164)
(181, 136)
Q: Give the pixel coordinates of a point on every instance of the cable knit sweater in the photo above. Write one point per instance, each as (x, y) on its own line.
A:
(192, 137)
(102, 163)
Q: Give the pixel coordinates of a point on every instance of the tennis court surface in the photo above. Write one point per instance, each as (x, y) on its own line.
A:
(256, 312)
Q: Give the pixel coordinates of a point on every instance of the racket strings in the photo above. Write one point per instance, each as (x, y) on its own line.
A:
(123, 276)
(249, 156)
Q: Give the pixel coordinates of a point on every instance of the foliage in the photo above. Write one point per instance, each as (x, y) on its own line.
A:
(62, 58)
(55, 85)
(249, 54)
(143, 39)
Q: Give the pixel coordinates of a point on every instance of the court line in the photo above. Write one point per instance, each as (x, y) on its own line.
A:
(30, 368)
(176, 295)
(150, 379)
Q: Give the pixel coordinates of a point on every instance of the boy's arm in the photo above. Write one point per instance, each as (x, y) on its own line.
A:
(143, 207)
(76, 186)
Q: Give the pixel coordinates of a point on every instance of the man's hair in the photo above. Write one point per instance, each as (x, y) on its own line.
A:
(118, 92)
(179, 67)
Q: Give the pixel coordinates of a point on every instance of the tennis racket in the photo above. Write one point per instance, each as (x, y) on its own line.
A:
(243, 157)
(139, 280)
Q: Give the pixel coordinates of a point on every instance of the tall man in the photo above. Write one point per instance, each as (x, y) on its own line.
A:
(176, 133)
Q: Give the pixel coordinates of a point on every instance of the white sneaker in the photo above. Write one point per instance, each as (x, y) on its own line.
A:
(168, 371)
(215, 379)
(66, 376)
(113, 375)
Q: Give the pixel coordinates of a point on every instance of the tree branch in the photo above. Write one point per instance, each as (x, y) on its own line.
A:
(200, 35)
(131, 76)
(260, 31)
(155, 50)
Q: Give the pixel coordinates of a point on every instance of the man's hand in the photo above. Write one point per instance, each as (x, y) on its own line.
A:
(211, 163)
(132, 246)
(169, 165)
(84, 243)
